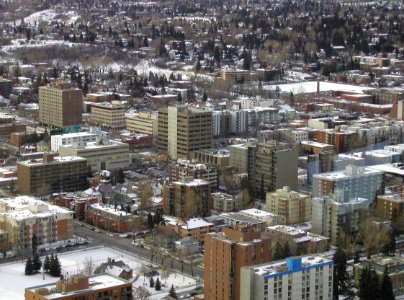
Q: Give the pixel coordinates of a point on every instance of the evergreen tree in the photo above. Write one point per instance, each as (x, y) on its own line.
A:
(55, 268)
(278, 253)
(46, 264)
(390, 247)
(36, 263)
(151, 281)
(198, 65)
(34, 244)
(386, 287)
(29, 268)
(286, 250)
(205, 96)
(172, 292)
(150, 221)
(179, 98)
(158, 284)
(340, 273)
(369, 285)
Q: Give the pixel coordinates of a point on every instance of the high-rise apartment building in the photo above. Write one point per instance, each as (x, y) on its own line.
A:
(275, 167)
(187, 198)
(353, 182)
(390, 206)
(225, 253)
(334, 214)
(307, 277)
(108, 115)
(294, 206)
(52, 174)
(60, 106)
(183, 129)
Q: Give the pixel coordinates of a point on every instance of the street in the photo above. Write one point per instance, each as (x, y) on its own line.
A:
(101, 237)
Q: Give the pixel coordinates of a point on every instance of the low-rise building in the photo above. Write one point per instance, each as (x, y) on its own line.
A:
(299, 240)
(258, 219)
(307, 277)
(223, 202)
(104, 154)
(195, 228)
(23, 217)
(395, 269)
(82, 287)
(113, 218)
(216, 157)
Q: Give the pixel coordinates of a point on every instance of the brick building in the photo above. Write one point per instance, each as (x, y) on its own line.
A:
(225, 253)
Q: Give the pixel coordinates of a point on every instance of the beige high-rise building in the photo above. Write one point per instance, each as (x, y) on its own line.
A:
(183, 129)
(275, 167)
(143, 122)
(60, 106)
(294, 206)
(108, 115)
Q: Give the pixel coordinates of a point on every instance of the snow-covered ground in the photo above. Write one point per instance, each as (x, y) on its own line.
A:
(49, 15)
(311, 87)
(14, 281)
(23, 44)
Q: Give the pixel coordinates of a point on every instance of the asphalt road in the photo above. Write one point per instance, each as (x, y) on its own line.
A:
(103, 238)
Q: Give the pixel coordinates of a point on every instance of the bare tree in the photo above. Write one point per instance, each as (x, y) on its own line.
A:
(145, 193)
(373, 236)
(88, 266)
(141, 293)
(165, 273)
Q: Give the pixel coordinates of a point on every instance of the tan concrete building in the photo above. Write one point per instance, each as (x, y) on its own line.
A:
(142, 122)
(390, 206)
(23, 216)
(183, 129)
(195, 228)
(105, 155)
(52, 174)
(395, 269)
(294, 206)
(108, 115)
(225, 253)
(275, 167)
(216, 157)
(102, 286)
(60, 105)
(181, 169)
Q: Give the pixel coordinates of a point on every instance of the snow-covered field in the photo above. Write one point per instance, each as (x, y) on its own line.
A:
(49, 15)
(311, 87)
(23, 44)
(13, 281)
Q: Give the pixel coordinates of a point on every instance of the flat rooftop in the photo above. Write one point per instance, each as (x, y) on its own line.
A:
(282, 267)
(96, 282)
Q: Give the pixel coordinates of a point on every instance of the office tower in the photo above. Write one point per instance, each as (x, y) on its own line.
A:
(183, 129)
